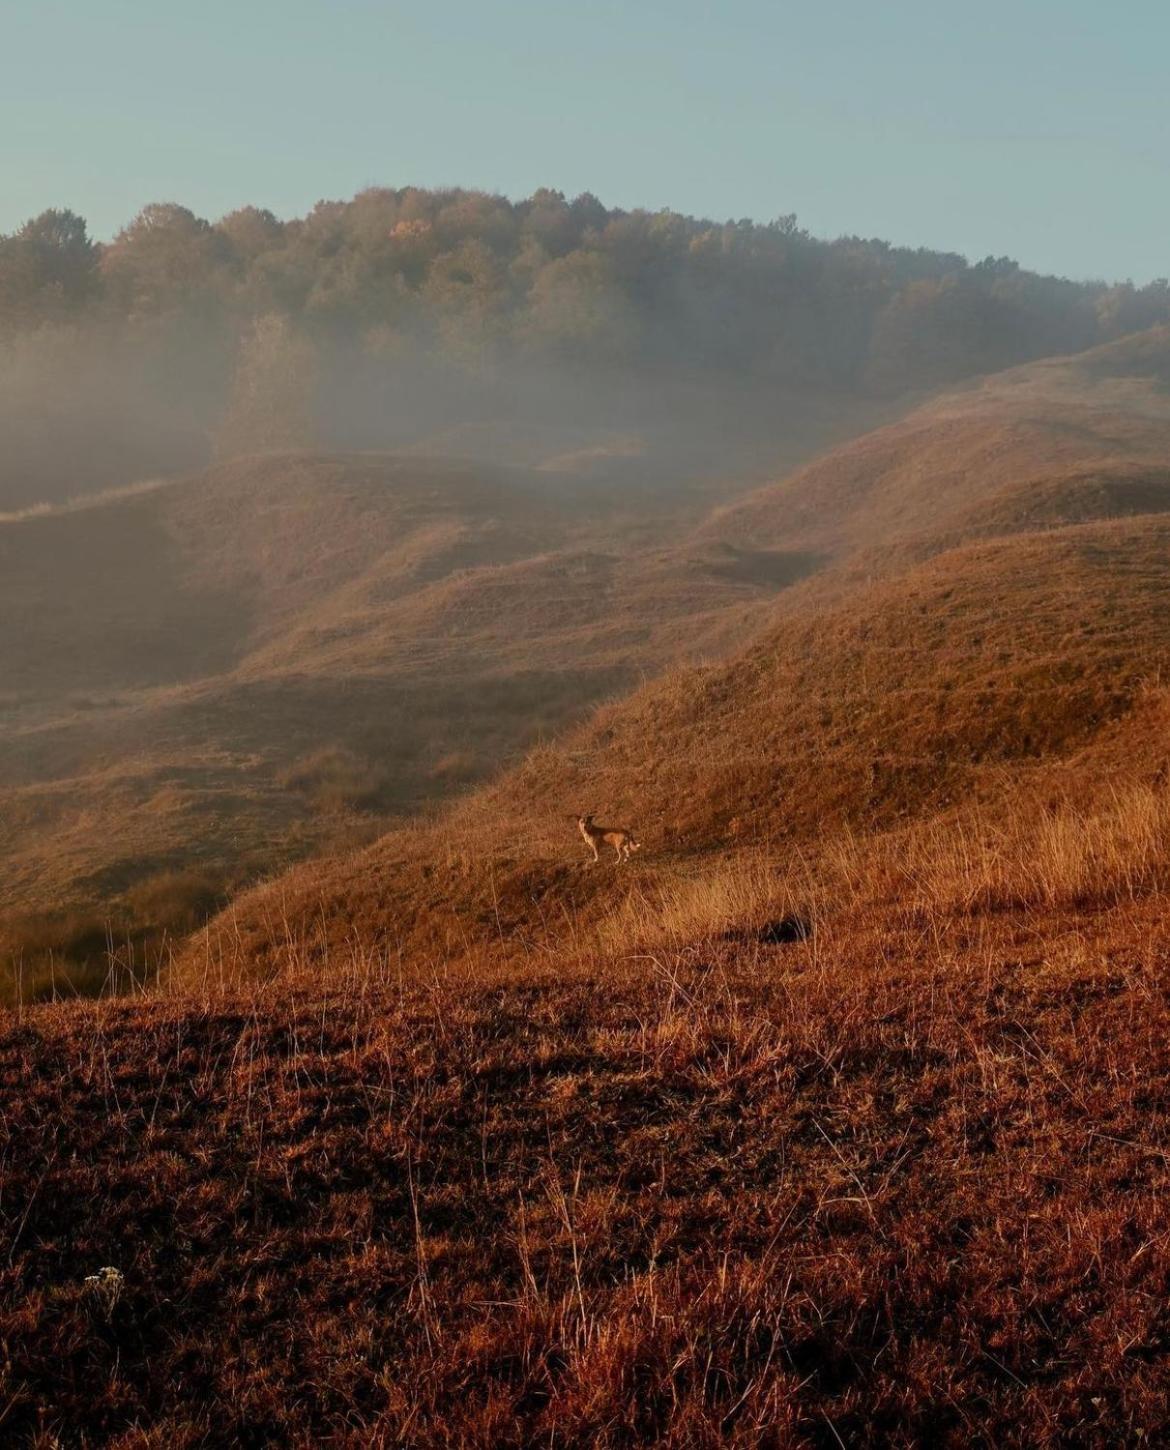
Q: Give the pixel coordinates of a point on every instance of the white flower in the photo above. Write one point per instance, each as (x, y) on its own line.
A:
(107, 1285)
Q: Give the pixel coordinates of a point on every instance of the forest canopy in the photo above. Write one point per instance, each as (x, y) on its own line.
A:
(183, 337)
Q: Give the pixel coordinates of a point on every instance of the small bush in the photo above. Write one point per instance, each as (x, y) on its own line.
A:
(45, 955)
(336, 779)
(176, 901)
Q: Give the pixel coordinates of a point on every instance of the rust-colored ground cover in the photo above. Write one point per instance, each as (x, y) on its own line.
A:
(912, 1190)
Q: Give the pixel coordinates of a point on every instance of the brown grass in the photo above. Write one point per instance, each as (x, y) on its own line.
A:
(46, 956)
(1058, 857)
(211, 633)
(336, 779)
(177, 656)
(1019, 670)
(662, 1174)
(899, 1185)
(837, 1117)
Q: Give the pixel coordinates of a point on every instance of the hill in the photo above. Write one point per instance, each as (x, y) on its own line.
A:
(965, 641)
(1018, 669)
(227, 672)
(223, 672)
(836, 1117)
(991, 457)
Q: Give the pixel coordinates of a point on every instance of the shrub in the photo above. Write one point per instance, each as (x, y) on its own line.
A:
(336, 779)
(176, 901)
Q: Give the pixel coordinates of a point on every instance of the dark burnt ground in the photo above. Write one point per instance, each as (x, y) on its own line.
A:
(769, 1205)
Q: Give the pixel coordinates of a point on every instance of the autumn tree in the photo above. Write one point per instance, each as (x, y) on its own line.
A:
(272, 392)
(167, 258)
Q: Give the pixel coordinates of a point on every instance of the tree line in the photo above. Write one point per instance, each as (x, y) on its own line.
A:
(183, 334)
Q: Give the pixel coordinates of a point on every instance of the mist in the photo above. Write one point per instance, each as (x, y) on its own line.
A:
(364, 505)
(401, 319)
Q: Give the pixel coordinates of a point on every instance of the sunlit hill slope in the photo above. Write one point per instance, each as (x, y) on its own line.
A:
(837, 1117)
(985, 622)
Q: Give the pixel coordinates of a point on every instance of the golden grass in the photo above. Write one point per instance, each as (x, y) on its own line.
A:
(1043, 858)
(524, 906)
(1048, 857)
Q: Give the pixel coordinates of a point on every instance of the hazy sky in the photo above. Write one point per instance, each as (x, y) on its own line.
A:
(1036, 128)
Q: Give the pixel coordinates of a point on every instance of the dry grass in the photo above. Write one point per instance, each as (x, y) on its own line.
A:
(1043, 857)
(903, 1188)
(711, 899)
(1060, 857)
(335, 779)
(1019, 451)
(607, 1160)
(837, 1117)
(1000, 688)
(55, 955)
(177, 654)
(219, 629)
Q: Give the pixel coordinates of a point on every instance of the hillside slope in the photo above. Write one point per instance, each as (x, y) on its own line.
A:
(940, 471)
(288, 653)
(836, 1117)
(991, 650)
(1026, 666)
(232, 668)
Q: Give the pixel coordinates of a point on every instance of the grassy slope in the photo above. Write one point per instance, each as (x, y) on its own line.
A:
(917, 677)
(1021, 665)
(950, 465)
(888, 1186)
(410, 623)
(178, 649)
(522, 1151)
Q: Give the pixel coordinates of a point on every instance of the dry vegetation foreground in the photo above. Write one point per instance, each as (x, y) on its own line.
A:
(903, 1186)
(838, 1117)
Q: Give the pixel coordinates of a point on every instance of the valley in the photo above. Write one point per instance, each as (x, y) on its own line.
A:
(211, 676)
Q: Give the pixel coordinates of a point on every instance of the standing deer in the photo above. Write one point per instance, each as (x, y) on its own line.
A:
(618, 837)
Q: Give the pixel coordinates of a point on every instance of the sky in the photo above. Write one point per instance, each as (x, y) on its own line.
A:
(1036, 129)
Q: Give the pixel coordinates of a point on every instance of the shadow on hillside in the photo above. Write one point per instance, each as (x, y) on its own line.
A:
(765, 568)
(782, 932)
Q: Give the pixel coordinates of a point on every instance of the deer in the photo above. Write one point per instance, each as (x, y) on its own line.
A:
(622, 841)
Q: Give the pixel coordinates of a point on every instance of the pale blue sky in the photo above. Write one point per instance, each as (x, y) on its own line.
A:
(1036, 128)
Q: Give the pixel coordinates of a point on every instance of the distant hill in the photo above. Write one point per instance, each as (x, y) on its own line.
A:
(981, 458)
